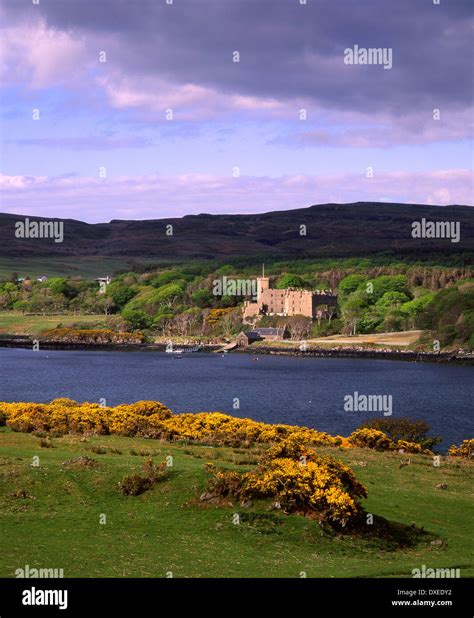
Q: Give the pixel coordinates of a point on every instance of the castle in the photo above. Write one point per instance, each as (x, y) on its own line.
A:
(289, 302)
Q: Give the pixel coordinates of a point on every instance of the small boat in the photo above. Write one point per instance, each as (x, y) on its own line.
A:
(177, 356)
(171, 350)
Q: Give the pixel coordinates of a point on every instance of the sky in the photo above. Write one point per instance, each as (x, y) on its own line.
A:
(144, 109)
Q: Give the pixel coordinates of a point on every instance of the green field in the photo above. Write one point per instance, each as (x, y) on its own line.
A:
(50, 515)
(15, 323)
(57, 266)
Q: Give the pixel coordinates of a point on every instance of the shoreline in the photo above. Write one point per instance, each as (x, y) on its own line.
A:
(341, 352)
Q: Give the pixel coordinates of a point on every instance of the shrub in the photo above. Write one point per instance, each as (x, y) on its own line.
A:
(371, 438)
(408, 429)
(147, 408)
(66, 402)
(152, 419)
(93, 336)
(409, 447)
(155, 472)
(320, 487)
(142, 453)
(98, 450)
(466, 449)
(224, 483)
(134, 485)
(81, 462)
(28, 417)
(317, 488)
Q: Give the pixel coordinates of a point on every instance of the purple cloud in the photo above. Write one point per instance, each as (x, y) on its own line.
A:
(153, 196)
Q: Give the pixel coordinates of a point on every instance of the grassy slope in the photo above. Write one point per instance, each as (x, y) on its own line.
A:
(167, 529)
(14, 323)
(55, 266)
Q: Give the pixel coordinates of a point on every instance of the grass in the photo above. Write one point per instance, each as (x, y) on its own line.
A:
(57, 266)
(403, 338)
(15, 323)
(50, 515)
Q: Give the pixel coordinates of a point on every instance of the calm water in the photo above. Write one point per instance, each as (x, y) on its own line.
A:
(300, 391)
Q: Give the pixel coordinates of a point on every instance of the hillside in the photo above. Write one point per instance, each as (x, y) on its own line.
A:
(331, 230)
(169, 529)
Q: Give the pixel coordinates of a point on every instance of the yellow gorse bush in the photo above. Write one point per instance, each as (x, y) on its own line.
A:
(371, 438)
(409, 447)
(152, 419)
(298, 480)
(379, 441)
(73, 335)
(465, 449)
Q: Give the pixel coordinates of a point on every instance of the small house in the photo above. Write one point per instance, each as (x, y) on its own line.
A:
(259, 334)
(245, 339)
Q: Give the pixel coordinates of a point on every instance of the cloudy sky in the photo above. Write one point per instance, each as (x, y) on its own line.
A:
(169, 124)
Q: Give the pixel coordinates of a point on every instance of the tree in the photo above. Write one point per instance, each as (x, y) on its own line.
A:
(59, 285)
(292, 281)
(203, 298)
(21, 305)
(299, 327)
(388, 283)
(120, 293)
(231, 323)
(167, 276)
(106, 304)
(137, 319)
(409, 429)
(350, 284)
(353, 310)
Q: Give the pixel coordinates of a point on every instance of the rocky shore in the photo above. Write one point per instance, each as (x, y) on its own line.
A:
(359, 352)
(18, 341)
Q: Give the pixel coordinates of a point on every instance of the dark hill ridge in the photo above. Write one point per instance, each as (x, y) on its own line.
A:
(332, 230)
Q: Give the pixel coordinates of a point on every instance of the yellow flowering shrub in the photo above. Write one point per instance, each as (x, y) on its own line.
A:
(142, 418)
(224, 483)
(320, 487)
(28, 417)
(465, 449)
(146, 408)
(218, 428)
(371, 438)
(409, 447)
(379, 441)
(88, 418)
(65, 401)
(73, 335)
(217, 314)
(152, 419)
(313, 487)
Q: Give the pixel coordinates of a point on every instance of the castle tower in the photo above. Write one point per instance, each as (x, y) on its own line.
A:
(263, 283)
